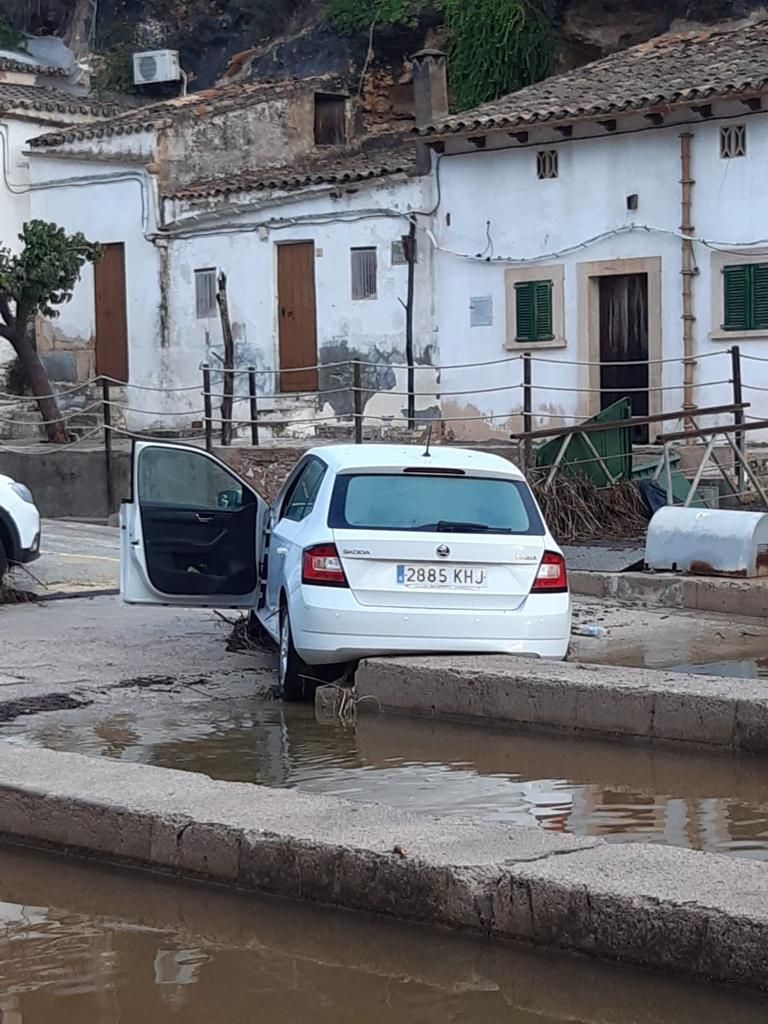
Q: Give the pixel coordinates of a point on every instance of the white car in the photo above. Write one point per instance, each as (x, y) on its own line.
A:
(367, 550)
(19, 524)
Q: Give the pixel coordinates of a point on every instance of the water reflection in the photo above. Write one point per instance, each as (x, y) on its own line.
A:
(104, 947)
(618, 791)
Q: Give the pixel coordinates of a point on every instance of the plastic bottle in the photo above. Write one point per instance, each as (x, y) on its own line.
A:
(595, 631)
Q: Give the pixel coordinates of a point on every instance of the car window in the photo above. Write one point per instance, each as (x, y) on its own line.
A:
(187, 479)
(454, 504)
(301, 499)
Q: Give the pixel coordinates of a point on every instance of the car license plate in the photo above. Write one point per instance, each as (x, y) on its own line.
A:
(453, 577)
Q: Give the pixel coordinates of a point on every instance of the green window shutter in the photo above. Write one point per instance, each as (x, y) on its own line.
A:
(533, 311)
(760, 296)
(543, 293)
(525, 305)
(737, 289)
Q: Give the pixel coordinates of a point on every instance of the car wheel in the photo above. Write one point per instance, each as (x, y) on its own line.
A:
(3, 561)
(291, 669)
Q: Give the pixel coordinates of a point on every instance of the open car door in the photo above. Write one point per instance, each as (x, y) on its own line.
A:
(191, 533)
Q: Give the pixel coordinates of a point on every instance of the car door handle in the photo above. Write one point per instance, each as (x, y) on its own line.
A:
(282, 552)
(203, 519)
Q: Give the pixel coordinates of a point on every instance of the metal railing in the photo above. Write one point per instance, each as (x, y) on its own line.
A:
(341, 404)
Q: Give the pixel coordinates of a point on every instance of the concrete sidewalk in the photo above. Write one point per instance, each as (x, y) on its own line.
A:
(599, 700)
(744, 598)
(675, 910)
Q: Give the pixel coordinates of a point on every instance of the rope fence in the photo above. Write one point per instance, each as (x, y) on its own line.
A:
(350, 400)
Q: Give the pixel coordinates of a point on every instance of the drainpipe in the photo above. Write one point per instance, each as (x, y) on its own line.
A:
(430, 105)
(688, 271)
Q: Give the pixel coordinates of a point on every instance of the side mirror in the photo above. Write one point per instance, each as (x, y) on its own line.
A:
(230, 499)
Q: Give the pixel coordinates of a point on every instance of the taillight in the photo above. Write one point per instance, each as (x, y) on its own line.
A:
(551, 576)
(321, 566)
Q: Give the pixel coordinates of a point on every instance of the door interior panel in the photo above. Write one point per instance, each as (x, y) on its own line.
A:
(200, 551)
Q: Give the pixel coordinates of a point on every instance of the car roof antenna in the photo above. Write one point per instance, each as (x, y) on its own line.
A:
(426, 454)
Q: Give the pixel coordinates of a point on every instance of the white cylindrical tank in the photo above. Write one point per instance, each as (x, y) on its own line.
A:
(708, 542)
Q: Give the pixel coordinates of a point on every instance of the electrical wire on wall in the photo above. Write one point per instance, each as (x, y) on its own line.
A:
(625, 229)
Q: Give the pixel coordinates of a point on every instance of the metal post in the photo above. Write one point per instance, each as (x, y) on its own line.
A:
(527, 418)
(409, 244)
(108, 461)
(738, 414)
(254, 406)
(207, 407)
(357, 400)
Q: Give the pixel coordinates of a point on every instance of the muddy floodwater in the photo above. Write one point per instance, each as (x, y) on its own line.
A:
(83, 944)
(704, 801)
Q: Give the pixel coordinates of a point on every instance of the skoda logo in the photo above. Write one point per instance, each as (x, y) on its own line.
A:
(443, 551)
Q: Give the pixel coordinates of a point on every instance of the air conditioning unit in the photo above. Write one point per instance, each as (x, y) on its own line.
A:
(156, 66)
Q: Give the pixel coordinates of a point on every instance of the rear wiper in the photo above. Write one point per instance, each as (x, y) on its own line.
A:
(456, 526)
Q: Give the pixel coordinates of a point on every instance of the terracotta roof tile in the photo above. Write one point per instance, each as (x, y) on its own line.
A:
(669, 70)
(43, 98)
(340, 171)
(9, 64)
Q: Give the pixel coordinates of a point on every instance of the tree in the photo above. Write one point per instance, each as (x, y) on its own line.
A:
(36, 280)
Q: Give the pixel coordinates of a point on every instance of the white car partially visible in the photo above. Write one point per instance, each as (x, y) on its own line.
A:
(19, 524)
(367, 550)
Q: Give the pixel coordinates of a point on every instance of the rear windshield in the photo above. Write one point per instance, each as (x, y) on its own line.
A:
(443, 504)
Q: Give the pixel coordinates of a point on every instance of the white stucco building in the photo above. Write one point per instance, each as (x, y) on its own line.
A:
(308, 231)
(560, 233)
(610, 222)
(33, 99)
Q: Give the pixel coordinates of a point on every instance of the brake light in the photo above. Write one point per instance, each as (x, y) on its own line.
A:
(321, 566)
(552, 576)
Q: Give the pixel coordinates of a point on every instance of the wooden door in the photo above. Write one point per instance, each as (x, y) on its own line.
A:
(624, 344)
(111, 319)
(296, 316)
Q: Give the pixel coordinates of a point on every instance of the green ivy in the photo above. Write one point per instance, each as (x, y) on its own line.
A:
(113, 66)
(10, 39)
(359, 15)
(497, 47)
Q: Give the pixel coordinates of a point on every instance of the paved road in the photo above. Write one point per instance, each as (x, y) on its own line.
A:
(75, 558)
(85, 646)
(80, 559)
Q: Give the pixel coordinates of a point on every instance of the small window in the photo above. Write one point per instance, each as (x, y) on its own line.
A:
(547, 165)
(733, 141)
(330, 120)
(205, 293)
(533, 305)
(364, 273)
(745, 297)
(301, 500)
(399, 251)
(174, 477)
(398, 254)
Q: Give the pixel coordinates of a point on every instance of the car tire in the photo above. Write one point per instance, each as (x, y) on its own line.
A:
(3, 561)
(291, 669)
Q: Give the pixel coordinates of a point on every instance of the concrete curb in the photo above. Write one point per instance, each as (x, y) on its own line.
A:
(744, 598)
(694, 914)
(600, 700)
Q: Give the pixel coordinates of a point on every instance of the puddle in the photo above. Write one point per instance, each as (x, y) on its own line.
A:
(621, 792)
(90, 944)
(749, 669)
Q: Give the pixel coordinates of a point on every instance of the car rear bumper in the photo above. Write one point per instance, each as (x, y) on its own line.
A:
(329, 625)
